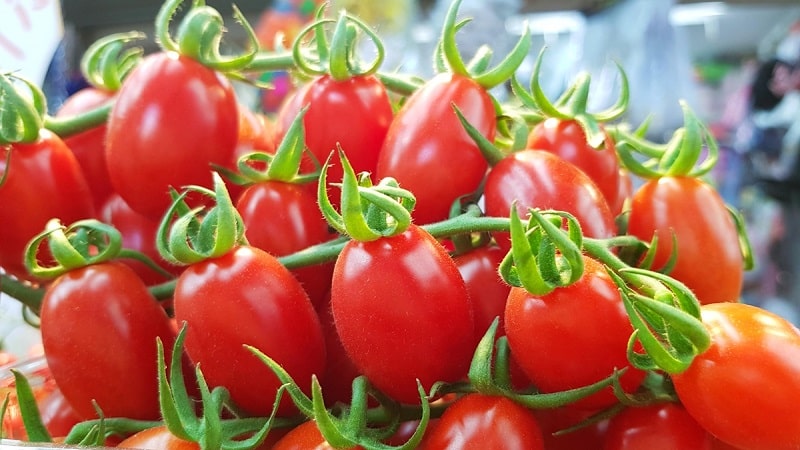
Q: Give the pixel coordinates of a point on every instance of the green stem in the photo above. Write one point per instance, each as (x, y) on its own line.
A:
(26, 294)
(271, 61)
(68, 126)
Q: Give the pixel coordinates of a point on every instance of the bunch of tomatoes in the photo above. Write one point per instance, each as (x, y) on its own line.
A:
(388, 262)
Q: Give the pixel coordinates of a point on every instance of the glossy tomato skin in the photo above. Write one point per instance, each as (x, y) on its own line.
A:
(567, 139)
(89, 146)
(540, 179)
(282, 218)
(247, 297)
(43, 180)
(157, 438)
(482, 421)
(746, 387)
(305, 436)
(139, 234)
(553, 421)
(665, 426)
(172, 119)
(709, 259)
(572, 337)
(111, 359)
(487, 290)
(337, 381)
(402, 312)
(426, 140)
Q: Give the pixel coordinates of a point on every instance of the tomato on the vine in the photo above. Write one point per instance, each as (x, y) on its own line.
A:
(745, 388)
(172, 119)
(663, 426)
(39, 181)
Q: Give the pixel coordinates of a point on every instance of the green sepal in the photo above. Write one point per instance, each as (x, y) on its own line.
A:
(107, 62)
(29, 410)
(22, 113)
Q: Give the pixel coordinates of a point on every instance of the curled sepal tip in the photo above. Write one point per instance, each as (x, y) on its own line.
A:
(369, 211)
(543, 255)
(186, 236)
(200, 34)
(23, 108)
(80, 244)
(107, 61)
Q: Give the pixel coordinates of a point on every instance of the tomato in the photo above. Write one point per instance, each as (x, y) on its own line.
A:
(709, 259)
(58, 415)
(247, 297)
(256, 133)
(360, 105)
(157, 438)
(426, 140)
(99, 327)
(574, 336)
(43, 180)
(282, 218)
(567, 139)
(402, 312)
(89, 146)
(483, 421)
(746, 387)
(139, 234)
(337, 381)
(540, 179)
(172, 119)
(305, 436)
(664, 426)
(555, 420)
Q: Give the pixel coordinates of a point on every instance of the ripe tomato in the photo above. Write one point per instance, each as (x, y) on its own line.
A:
(247, 297)
(157, 438)
(402, 312)
(282, 218)
(113, 360)
(43, 180)
(337, 381)
(483, 421)
(305, 436)
(574, 336)
(709, 259)
(173, 118)
(554, 420)
(746, 387)
(665, 426)
(540, 179)
(426, 138)
(567, 139)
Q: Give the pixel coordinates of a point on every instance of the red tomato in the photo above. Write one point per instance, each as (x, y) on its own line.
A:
(172, 119)
(567, 139)
(139, 234)
(426, 141)
(58, 415)
(282, 218)
(482, 421)
(354, 113)
(540, 179)
(402, 312)
(665, 426)
(89, 146)
(709, 259)
(43, 180)
(337, 381)
(99, 327)
(157, 438)
(572, 337)
(247, 297)
(305, 436)
(746, 387)
(554, 420)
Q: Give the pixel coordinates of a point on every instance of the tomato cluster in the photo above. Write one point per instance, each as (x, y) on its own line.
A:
(388, 262)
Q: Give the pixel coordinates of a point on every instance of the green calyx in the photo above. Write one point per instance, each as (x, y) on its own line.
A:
(572, 104)
(368, 212)
(692, 151)
(337, 57)
(187, 236)
(23, 110)
(200, 34)
(543, 255)
(479, 67)
(107, 61)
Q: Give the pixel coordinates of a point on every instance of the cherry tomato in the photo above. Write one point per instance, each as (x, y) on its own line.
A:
(157, 438)
(665, 426)
(483, 421)
(305, 436)
(567, 139)
(574, 336)
(43, 180)
(540, 179)
(426, 140)
(99, 327)
(745, 388)
(554, 422)
(172, 119)
(247, 297)
(709, 259)
(282, 218)
(337, 381)
(402, 312)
